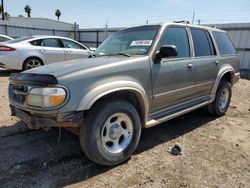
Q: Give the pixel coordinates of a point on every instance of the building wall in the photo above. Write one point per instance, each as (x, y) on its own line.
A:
(21, 26)
(38, 23)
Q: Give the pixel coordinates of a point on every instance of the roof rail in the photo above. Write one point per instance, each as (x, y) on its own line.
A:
(182, 21)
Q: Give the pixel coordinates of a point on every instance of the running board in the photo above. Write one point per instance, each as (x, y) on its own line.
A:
(155, 122)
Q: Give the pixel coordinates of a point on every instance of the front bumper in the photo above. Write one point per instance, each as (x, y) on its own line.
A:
(36, 121)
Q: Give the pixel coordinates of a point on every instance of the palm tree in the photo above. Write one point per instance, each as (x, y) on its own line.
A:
(6, 16)
(58, 14)
(27, 9)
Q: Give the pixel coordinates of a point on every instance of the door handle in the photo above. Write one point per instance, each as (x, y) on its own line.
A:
(42, 50)
(190, 66)
(68, 51)
(217, 63)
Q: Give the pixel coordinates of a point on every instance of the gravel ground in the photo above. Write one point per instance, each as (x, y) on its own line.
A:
(216, 152)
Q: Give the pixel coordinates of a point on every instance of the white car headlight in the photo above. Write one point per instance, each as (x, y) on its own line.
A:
(46, 97)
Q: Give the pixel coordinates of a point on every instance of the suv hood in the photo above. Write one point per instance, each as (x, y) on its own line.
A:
(67, 67)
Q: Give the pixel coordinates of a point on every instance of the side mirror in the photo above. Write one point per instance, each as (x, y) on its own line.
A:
(166, 51)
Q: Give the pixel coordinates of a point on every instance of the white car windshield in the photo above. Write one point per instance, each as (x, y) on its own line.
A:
(134, 41)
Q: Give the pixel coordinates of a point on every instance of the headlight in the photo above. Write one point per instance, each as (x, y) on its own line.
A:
(46, 97)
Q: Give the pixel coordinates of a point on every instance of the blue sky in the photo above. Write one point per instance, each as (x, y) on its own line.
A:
(119, 13)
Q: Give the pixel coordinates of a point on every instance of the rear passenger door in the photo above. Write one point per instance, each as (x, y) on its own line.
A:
(206, 62)
(173, 77)
(52, 50)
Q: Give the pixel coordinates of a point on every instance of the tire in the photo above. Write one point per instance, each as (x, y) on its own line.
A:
(110, 132)
(31, 63)
(222, 99)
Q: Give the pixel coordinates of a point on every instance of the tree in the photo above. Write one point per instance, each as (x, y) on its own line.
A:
(27, 9)
(58, 14)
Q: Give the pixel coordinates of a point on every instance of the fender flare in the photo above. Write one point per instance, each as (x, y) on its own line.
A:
(221, 73)
(98, 92)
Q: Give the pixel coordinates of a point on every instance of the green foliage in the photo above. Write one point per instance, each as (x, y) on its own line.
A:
(27, 9)
(58, 14)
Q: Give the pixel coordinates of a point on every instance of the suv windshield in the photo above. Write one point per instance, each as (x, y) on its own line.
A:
(135, 41)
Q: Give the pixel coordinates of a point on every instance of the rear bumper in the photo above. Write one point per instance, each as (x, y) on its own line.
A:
(72, 120)
(11, 61)
(236, 78)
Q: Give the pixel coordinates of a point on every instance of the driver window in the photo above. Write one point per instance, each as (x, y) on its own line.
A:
(178, 37)
(71, 44)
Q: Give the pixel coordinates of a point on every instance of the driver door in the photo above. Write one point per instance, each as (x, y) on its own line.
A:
(173, 77)
(74, 50)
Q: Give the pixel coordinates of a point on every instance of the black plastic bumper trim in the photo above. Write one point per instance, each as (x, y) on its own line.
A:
(36, 122)
(33, 79)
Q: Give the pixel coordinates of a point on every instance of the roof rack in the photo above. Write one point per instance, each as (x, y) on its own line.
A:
(182, 21)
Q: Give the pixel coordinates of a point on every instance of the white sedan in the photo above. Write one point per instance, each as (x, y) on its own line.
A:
(4, 38)
(30, 52)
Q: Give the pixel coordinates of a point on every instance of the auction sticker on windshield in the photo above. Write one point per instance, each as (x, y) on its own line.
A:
(141, 43)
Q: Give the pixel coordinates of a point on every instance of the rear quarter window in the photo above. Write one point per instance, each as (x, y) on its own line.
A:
(224, 43)
(36, 42)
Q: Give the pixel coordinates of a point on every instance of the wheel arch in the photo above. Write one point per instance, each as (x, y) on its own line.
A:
(127, 90)
(30, 57)
(226, 73)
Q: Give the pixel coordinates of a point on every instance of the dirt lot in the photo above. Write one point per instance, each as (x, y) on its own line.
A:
(216, 152)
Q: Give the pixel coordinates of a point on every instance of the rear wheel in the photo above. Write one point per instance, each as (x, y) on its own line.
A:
(111, 132)
(222, 99)
(32, 63)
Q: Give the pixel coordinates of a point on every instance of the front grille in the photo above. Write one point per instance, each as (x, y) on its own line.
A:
(20, 93)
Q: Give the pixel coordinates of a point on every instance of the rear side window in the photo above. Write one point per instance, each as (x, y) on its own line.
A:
(203, 45)
(179, 38)
(54, 43)
(224, 43)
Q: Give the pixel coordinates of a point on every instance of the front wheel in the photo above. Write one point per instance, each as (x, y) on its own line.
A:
(111, 132)
(222, 99)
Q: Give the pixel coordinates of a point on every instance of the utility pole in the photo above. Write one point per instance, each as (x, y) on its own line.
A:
(193, 17)
(147, 22)
(2, 10)
(106, 27)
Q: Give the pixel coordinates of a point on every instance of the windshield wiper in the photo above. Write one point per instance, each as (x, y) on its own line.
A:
(120, 53)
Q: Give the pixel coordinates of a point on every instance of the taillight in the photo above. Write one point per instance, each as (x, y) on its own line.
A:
(238, 64)
(6, 48)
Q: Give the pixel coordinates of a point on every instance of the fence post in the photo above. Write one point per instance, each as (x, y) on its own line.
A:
(79, 36)
(75, 30)
(54, 32)
(97, 38)
(6, 29)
